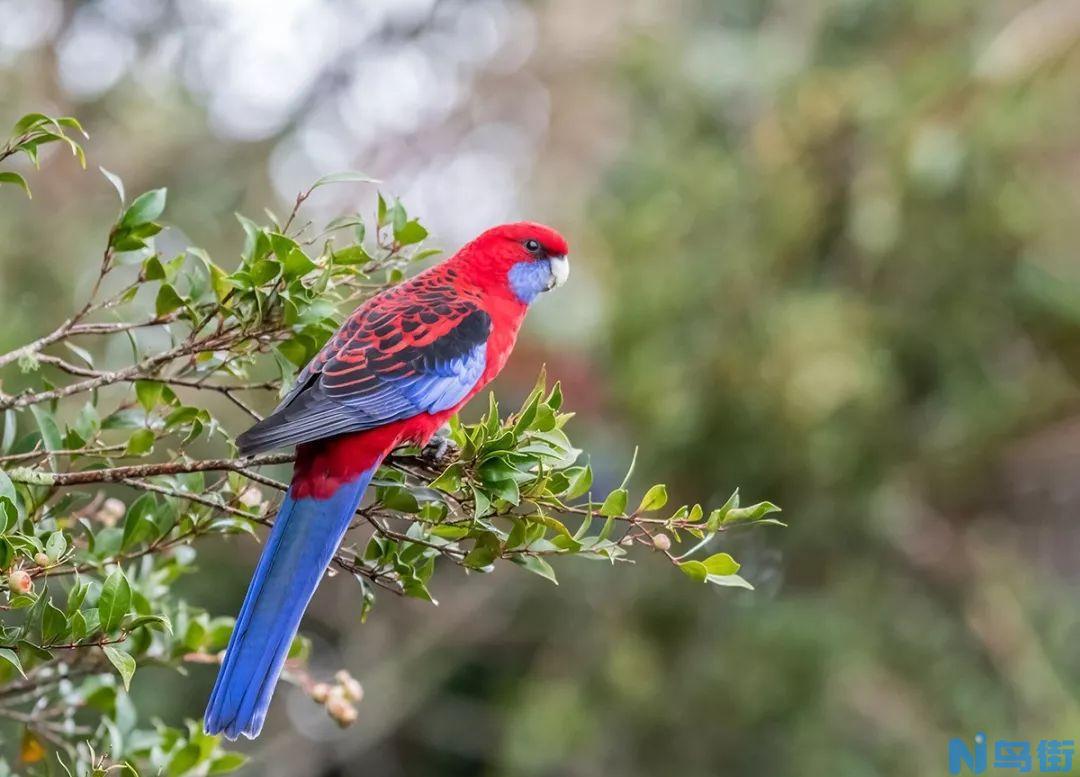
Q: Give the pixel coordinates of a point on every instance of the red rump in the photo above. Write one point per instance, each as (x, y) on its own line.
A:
(325, 465)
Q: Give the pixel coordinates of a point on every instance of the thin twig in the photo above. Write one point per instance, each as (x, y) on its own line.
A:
(40, 452)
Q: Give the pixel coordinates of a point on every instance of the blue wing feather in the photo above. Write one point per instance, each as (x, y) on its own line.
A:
(347, 391)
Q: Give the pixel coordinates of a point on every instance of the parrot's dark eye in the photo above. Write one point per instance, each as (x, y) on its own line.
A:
(532, 246)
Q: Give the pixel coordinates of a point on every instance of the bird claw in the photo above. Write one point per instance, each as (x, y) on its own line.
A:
(440, 449)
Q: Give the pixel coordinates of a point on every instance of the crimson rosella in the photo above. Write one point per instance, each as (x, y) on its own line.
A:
(399, 367)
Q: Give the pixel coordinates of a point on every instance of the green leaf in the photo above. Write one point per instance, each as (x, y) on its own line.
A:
(615, 504)
(411, 232)
(50, 432)
(76, 596)
(507, 490)
(184, 760)
(449, 532)
(555, 398)
(30, 650)
(156, 622)
(351, 255)
(536, 565)
(17, 180)
(730, 581)
(7, 488)
(481, 503)
(352, 220)
(420, 256)
(153, 270)
(748, 514)
(417, 589)
(148, 392)
(9, 655)
(655, 498)
(54, 623)
(140, 443)
(115, 601)
(55, 545)
(263, 271)
(484, 552)
(72, 123)
(380, 211)
(82, 353)
(580, 482)
(124, 663)
(717, 515)
(450, 480)
(695, 570)
(31, 120)
(10, 427)
(346, 176)
(219, 279)
(146, 207)
(138, 523)
(716, 570)
(397, 216)
(227, 762)
(721, 564)
(114, 179)
(167, 300)
(296, 264)
(630, 469)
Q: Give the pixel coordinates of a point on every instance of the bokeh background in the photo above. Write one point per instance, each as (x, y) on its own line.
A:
(825, 250)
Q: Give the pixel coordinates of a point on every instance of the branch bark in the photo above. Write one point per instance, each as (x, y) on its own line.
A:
(119, 474)
(144, 369)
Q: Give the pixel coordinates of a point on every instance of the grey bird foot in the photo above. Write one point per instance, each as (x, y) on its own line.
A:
(440, 449)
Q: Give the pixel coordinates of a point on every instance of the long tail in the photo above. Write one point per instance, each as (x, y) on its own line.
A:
(302, 543)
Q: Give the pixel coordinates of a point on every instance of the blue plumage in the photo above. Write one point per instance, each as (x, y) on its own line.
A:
(362, 388)
(440, 386)
(528, 279)
(300, 547)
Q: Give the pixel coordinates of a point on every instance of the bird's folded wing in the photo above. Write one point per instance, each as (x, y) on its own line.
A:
(382, 366)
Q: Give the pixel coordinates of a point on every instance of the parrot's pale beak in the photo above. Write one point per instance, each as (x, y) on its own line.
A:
(560, 271)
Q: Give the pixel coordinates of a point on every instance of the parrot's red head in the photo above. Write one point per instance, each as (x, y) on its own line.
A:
(523, 258)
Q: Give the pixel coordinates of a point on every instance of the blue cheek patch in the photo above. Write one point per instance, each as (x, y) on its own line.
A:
(528, 279)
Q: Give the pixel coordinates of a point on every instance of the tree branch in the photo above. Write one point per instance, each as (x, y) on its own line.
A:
(120, 474)
(144, 369)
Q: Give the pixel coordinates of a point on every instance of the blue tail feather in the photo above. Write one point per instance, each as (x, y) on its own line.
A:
(301, 545)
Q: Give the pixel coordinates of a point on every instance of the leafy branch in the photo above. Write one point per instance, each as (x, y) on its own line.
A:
(111, 473)
(33, 131)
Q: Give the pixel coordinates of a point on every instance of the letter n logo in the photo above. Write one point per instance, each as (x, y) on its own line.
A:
(961, 755)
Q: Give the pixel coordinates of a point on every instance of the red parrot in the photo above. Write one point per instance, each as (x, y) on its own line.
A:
(399, 367)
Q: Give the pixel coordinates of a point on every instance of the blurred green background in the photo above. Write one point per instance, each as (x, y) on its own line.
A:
(825, 250)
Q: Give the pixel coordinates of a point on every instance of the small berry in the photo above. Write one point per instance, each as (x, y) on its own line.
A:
(41, 559)
(340, 709)
(320, 692)
(19, 581)
(661, 541)
(350, 686)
